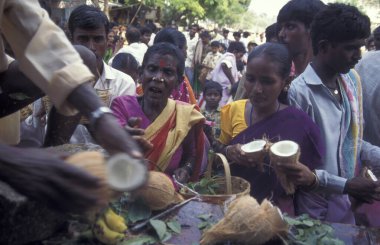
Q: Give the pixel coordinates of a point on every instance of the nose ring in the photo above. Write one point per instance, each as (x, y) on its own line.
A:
(159, 80)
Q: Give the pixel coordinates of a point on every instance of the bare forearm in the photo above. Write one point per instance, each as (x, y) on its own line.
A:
(227, 72)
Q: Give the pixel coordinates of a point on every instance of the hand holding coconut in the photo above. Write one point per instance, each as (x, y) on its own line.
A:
(137, 133)
(245, 155)
(298, 173)
(363, 189)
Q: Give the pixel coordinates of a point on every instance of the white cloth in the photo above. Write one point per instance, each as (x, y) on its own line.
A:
(138, 51)
(118, 84)
(191, 43)
(116, 81)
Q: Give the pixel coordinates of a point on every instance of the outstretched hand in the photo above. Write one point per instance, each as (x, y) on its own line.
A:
(44, 176)
(133, 128)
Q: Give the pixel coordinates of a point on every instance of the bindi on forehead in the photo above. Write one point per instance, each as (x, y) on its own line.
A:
(163, 63)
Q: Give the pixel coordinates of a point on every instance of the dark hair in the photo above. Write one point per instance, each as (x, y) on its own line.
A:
(213, 85)
(236, 47)
(172, 36)
(376, 31)
(132, 35)
(145, 29)
(151, 26)
(271, 32)
(277, 53)
(226, 31)
(205, 34)
(195, 25)
(113, 24)
(339, 23)
(87, 17)
(123, 60)
(237, 34)
(165, 48)
(300, 10)
(215, 44)
(251, 43)
(246, 34)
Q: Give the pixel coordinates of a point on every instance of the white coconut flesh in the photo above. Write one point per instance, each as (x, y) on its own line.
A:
(125, 173)
(254, 146)
(284, 148)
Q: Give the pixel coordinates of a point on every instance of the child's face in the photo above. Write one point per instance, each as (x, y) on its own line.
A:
(214, 49)
(212, 97)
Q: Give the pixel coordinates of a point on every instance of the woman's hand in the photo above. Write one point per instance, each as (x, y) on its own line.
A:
(235, 154)
(298, 173)
(133, 128)
(182, 175)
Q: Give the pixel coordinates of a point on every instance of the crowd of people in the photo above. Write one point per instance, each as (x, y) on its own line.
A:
(171, 98)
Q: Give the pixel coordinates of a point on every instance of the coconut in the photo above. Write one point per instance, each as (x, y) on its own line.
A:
(159, 192)
(247, 222)
(95, 164)
(287, 152)
(126, 173)
(255, 151)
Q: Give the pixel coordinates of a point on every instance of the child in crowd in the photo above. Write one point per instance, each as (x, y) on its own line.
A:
(210, 62)
(212, 93)
(126, 63)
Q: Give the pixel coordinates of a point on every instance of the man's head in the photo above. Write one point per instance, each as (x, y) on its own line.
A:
(194, 28)
(237, 48)
(132, 35)
(205, 37)
(376, 36)
(293, 23)
(237, 36)
(89, 27)
(338, 32)
(271, 33)
(246, 34)
(146, 33)
(225, 33)
(212, 92)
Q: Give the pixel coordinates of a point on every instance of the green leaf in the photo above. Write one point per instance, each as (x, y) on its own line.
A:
(205, 217)
(308, 223)
(204, 182)
(166, 237)
(160, 228)
(138, 211)
(203, 225)
(140, 240)
(175, 226)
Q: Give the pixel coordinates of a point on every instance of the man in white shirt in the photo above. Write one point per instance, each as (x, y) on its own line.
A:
(89, 27)
(135, 47)
(192, 39)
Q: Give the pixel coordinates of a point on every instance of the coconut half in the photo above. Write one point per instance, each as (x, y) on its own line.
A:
(126, 173)
(285, 148)
(254, 146)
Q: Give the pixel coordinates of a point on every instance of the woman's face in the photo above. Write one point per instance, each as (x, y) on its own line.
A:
(263, 82)
(159, 77)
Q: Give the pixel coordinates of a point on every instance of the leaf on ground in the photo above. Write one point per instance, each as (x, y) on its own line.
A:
(160, 228)
(308, 223)
(205, 217)
(166, 237)
(140, 240)
(138, 211)
(203, 225)
(175, 226)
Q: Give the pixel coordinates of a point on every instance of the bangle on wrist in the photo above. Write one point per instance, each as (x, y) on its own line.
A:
(97, 114)
(315, 183)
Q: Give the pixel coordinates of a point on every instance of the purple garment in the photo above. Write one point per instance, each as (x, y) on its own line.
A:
(287, 124)
(125, 107)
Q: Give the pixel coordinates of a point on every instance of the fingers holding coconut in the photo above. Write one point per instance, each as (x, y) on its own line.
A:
(235, 154)
(144, 144)
(298, 173)
(363, 189)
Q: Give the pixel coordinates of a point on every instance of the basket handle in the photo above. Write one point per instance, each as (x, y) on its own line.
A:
(227, 170)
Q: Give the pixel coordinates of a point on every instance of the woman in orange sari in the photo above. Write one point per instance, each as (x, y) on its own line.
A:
(174, 128)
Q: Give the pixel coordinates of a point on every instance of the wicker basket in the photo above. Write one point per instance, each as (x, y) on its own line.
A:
(228, 185)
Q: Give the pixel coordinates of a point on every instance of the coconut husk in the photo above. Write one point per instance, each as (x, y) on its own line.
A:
(247, 222)
(26, 112)
(159, 192)
(95, 164)
(285, 182)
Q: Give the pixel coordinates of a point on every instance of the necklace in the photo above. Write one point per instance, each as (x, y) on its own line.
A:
(251, 112)
(334, 90)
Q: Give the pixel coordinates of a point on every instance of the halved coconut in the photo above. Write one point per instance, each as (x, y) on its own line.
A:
(284, 151)
(254, 146)
(255, 152)
(126, 173)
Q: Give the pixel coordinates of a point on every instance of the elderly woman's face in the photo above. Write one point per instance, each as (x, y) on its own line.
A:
(159, 77)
